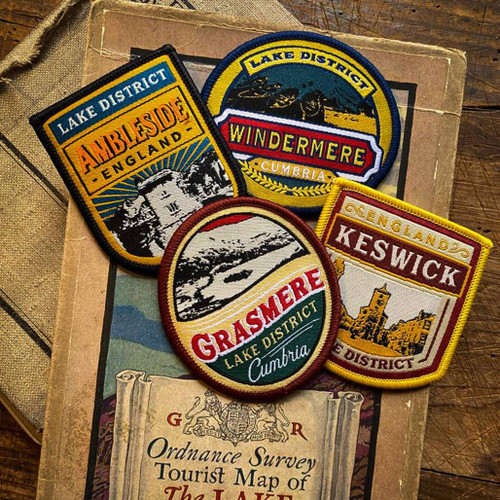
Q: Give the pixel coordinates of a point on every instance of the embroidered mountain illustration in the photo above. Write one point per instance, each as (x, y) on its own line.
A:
(220, 255)
(405, 338)
(144, 224)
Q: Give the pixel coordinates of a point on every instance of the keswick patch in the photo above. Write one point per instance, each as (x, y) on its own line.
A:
(407, 280)
(298, 109)
(139, 153)
(249, 298)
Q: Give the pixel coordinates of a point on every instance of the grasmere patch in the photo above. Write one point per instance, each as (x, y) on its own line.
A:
(249, 298)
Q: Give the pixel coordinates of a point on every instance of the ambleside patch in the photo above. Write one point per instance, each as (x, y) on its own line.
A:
(407, 280)
(249, 298)
(139, 152)
(298, 109)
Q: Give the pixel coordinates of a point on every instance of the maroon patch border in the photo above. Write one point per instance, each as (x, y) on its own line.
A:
(331, 277)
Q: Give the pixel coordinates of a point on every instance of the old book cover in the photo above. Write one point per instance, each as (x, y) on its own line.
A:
(125, 419)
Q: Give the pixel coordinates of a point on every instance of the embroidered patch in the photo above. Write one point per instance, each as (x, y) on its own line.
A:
(298, 109)
(407, 280)
(249, 298)
(139, 152)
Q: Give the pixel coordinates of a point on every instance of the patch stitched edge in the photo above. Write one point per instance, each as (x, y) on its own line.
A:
(40, 119)
(486, 244)
(168, 261)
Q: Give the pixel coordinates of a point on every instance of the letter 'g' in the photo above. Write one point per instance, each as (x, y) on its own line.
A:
(203, 348)
(174, 419)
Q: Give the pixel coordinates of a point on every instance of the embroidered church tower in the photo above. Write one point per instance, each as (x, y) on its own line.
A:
(371, 319)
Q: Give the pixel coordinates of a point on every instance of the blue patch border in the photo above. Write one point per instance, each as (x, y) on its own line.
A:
(336, 44)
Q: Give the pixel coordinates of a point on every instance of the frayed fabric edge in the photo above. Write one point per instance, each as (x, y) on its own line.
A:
(28, 51)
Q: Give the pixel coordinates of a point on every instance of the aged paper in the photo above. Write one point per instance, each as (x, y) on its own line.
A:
(169, 433)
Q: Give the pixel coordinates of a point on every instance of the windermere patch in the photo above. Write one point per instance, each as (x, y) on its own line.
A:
(407, 279)
(297, 110)
(249, 298)
(139, 153)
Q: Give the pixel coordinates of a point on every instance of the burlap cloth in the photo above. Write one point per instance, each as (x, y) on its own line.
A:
(41, 70)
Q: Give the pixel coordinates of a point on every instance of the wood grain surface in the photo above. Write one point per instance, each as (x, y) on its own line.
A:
(18, 18)
(19, 458)
(462, 443)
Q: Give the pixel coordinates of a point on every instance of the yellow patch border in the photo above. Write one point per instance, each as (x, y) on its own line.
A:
(341, 185)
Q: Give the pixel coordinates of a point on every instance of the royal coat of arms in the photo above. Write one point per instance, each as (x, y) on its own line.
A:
(236, 421)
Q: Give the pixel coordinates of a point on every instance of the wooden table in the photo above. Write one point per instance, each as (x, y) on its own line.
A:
(462, 443)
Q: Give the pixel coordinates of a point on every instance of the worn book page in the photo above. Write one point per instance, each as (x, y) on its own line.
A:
(175, 436)
(109, 324)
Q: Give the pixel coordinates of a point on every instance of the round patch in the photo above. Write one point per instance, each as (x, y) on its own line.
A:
(298, 109)
(249, 298)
